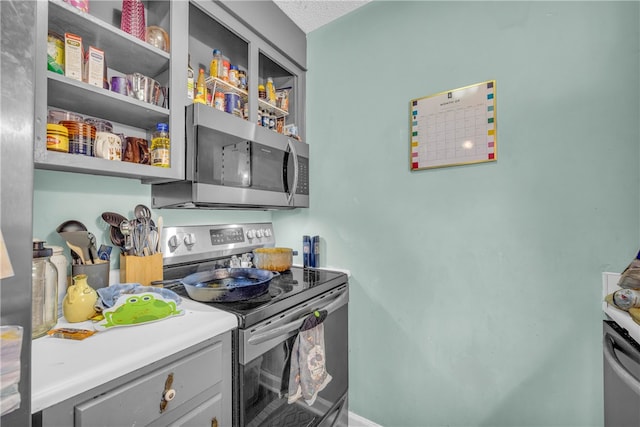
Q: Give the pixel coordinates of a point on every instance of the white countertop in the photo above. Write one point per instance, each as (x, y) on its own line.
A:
(621, 317)
(63, 368)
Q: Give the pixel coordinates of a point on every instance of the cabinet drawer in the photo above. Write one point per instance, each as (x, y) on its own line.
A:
(142, 397)
(207, 414)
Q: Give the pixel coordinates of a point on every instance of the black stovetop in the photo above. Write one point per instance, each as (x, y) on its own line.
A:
(286, 290)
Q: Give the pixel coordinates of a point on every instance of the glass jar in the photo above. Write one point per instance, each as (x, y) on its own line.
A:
(60, 262)
(81, 137)
(44, 288)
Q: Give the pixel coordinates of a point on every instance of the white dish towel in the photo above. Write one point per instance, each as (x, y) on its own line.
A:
(308, 374)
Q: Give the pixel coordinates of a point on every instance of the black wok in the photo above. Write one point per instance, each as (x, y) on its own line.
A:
(227, 284)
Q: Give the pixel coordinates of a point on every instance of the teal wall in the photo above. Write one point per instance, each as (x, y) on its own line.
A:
(60, 196)
(476, 290)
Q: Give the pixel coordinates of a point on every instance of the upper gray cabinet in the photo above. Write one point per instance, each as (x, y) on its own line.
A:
(255, 36)
(124, 54)
(259, 39)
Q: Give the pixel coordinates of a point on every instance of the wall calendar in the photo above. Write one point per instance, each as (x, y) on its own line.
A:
(456, 127)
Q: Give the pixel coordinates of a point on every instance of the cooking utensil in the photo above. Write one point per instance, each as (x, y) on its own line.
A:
(71, 225)
(81, 240)
(142, 212)
(273, 259)
(93, 250)
(78, 251)
(227, 284)
(117, 238)
(160, 225)
(112, 218)
(125, 229)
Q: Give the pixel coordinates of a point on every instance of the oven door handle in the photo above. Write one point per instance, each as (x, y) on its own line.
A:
(617, 366)
(296, 324)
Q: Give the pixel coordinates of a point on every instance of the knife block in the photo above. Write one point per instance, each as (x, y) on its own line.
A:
(141, 269)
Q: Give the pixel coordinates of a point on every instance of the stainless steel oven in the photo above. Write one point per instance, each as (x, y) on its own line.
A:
(621, 377)
(269, 325)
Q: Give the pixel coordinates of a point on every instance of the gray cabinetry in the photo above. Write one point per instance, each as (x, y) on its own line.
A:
(219, 25)
(192, 387)
(253, 36)
(124, 54)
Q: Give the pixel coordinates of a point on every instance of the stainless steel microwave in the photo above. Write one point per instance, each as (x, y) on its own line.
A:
(231, 163)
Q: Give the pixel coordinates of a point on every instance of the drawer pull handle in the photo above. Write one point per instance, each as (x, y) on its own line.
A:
(169, 395)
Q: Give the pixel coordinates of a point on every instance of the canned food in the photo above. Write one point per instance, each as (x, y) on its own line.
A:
(57, 138)
(232, 102)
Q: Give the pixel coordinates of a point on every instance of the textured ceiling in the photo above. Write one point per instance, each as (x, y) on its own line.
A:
(312, 14)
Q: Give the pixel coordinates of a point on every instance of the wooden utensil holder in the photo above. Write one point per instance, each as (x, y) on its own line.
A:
(141, 269)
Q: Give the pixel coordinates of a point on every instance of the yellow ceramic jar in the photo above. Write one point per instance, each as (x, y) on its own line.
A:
(79, 303)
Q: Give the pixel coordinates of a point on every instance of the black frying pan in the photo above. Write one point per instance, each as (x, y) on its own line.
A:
(228, 284)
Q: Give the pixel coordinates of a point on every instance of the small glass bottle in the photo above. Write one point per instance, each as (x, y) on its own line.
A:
(190, 80)
(44, 289)
(161, 146)
(201, 89)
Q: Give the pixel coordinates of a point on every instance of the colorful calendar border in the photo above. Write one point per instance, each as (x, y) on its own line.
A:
(491, 103)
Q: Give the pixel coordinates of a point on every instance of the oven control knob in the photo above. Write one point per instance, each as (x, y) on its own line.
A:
(267, 232)
(173, 242)
(189, 239)
(251, 234)
(260, 233)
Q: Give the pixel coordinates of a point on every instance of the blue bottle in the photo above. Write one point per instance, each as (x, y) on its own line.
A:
(306, 251)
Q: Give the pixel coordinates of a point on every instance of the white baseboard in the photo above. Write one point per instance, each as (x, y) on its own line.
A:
(356, 420)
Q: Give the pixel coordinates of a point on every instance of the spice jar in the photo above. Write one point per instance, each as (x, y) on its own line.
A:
(242, 80)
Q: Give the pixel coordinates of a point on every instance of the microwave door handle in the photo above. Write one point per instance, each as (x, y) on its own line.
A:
(296, 324)
(613, 361)
(295, 171)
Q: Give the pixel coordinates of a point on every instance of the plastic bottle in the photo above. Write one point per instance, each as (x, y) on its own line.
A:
(160, 146)
(223, 72)
(201, 89)
(216, 64)
(190, 80)
(271, 92)
(44, 288)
